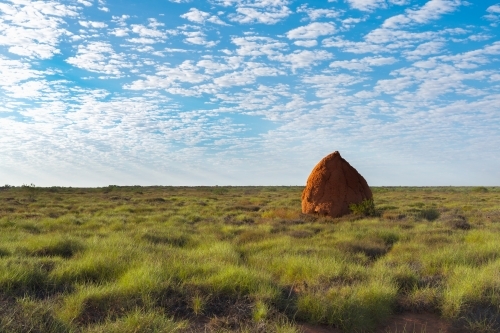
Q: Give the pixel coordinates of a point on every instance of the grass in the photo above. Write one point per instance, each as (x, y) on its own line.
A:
(244, 259)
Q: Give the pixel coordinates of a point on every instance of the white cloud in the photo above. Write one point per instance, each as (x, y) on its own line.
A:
(99, 57)
(85, 3)
(146, 32)
(366, 5)
(306, 43)
(405, 38)
(257, 11)
(198, 38)
(246, 15)
(364, 64)
(149, 34)
(200, 17)
(257, 46)
(142, 40)
(303, 58)
(441, 75)
(315, 14)
(247, 76)
(479, 37)
(167, 77)
(383, 40)
(494, 15)
(394, 86)
(432, 10)
(252, 3)
(216, 20)
(495, 9)
(425, 49)
(195, 15)
(92, 24)
(354, 47)
(350, 22)
(371, 5)
(29, 89)
(311, 31)
(33, 29)
(120, 32)
(211, 67)
(172, 50)
(120, 20)
(13, 72)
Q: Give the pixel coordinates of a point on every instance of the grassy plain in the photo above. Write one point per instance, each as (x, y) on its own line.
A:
(225, 259)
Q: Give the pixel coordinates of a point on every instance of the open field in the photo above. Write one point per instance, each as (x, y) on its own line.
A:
(224, 259)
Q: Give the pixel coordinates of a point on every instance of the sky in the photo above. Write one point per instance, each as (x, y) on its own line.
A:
(248, 92)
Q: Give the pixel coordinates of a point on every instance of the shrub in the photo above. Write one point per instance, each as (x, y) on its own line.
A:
(460, 222)
(480, 189)
(366, 208)
(220, 190)
(4, 252)
(430, 214)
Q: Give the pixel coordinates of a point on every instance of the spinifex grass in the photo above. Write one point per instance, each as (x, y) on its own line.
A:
(181, 259)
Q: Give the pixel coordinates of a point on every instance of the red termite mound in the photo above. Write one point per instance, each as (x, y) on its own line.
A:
(332, 186)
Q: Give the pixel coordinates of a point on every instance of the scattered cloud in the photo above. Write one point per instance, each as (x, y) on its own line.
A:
(306, 43)
(303, 58)
(350, 22)
(425, 49)
(257, 46)
(363, 64)
(371, 5)
(33, 29)
(200, 17)
(431, 11)
(495, 9)
(15, 71)
(257, 11)
(198, 38)
(366, 5)
(311, 31)
(247, 76)
(246, 15)
(101, 91)
(493, 15)
(99, 57)
(92, 24)
(315, 14)
(85, 2)
(166, 77)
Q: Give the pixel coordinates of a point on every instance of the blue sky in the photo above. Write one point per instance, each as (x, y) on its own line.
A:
(248, 92)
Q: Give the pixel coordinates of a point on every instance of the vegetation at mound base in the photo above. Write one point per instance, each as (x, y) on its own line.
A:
(225, 259)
